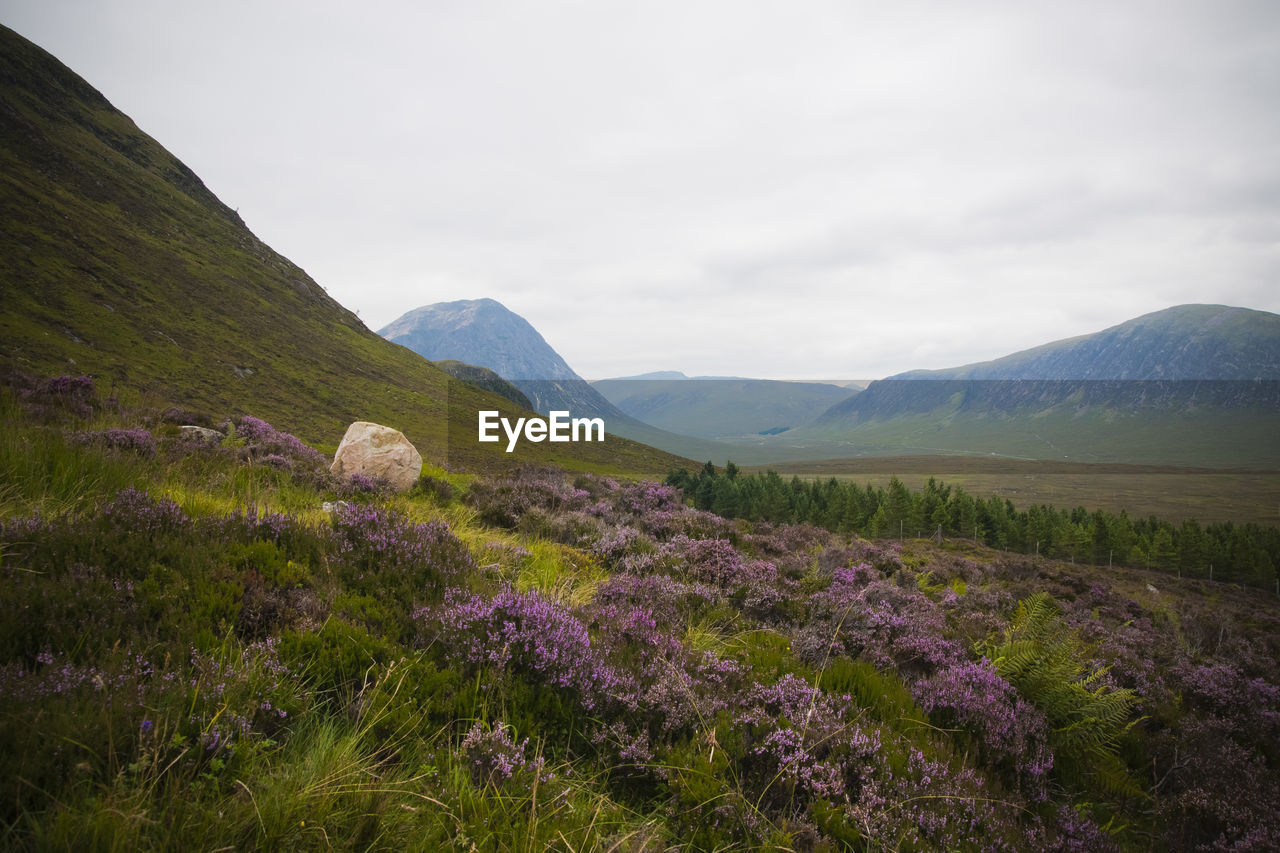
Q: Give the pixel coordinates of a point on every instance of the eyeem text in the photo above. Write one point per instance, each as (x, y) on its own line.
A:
(560, 427)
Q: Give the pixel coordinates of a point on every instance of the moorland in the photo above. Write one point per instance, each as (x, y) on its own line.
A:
(223, 646)
(217, 644)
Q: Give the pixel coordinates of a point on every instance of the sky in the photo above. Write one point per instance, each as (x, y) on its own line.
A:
(769, 189)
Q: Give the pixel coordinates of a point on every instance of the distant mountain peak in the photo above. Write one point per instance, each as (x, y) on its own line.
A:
(651, 375)
(1185, 342)
(486, 333)
(482, 332)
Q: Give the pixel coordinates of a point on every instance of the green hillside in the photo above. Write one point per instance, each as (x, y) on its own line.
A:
(1209, 439)
(1189, 385)
(484, 379)
(1210, 424)
(721, 408)
(117, 262)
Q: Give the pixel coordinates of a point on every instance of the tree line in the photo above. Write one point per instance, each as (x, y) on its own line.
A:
(1241, 553)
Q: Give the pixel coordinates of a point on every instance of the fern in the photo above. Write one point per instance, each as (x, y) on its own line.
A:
(1044, 659)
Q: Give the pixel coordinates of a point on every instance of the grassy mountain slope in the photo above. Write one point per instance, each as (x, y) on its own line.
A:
(716, 408)
(1191, 385)
(1210, 424)
(116, 261)
(484, 379)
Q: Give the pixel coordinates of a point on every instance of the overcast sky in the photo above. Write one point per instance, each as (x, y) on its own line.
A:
(787, 190)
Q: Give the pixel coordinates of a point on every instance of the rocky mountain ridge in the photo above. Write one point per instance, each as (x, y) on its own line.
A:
(1184, 342)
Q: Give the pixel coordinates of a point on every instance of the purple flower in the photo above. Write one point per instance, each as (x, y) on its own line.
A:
(378, 546)
(135, 512)
(494, 758)
(1009, 731)
(526, 634)
(265, 440)
(136, 440)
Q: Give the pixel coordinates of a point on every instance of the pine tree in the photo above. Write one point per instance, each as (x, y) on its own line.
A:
(898, 509)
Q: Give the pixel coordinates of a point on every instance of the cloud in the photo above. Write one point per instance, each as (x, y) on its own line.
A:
(805, 189)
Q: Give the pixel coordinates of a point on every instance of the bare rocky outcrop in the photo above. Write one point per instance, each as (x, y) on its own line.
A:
(374, 450)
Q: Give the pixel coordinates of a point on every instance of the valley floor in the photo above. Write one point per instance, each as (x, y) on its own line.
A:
(1167, 492)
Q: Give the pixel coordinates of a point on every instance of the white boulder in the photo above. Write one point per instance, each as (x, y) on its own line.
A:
(378, 451)
(199, 433)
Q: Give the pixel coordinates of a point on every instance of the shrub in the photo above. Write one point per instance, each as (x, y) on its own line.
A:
(360, 486)
(494, 759)
(881, 622)
(261, 439)
(1009, 733)
(526, 635)
(384, 555)
(502, 504)
(136, 440)
(439, 491)
(337, 660)
(1042, 658)
(56, 399)
(800, 745)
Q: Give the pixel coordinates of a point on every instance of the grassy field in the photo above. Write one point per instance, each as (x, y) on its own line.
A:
(549, 660)
(1141, 490)
(1121, 427)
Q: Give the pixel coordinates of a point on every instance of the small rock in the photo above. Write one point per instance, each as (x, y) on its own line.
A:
(378, 451)
(199, 433)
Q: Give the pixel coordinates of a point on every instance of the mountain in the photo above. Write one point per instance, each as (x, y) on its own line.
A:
(486, 380)
(1183, 342)
(471, 330)
(1191, 385)
(485, 332)
(117, 261)
(653, 374)
(721, 408)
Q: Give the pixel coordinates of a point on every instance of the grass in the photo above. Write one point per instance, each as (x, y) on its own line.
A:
(1124, 431)
(567, 575)
(41, 473)
(378, 780)
(330, 785)
(371, 751)
(1166, 492)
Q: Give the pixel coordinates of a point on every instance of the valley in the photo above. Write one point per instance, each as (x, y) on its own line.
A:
(211, 638)
(1190, 386)
(1166, 492)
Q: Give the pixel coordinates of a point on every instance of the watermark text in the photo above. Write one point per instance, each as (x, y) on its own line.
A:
(559, 427)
